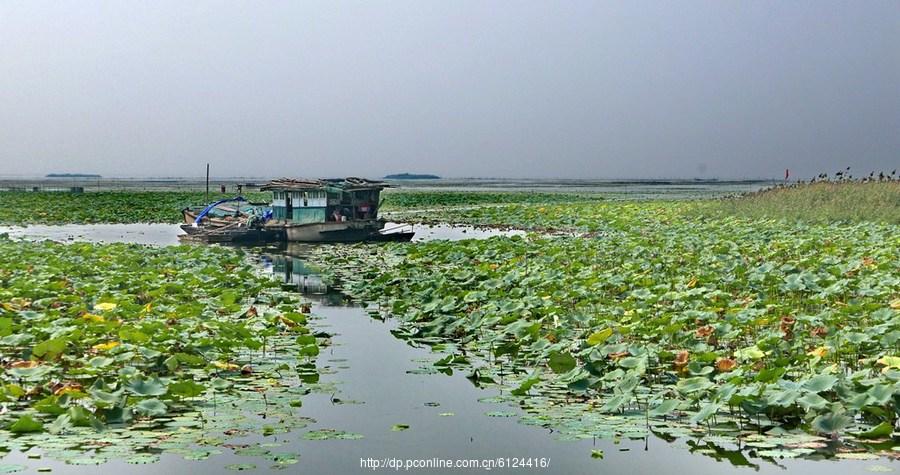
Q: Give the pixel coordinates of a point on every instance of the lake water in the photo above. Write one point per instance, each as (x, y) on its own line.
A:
(167, 234)
(379, 373)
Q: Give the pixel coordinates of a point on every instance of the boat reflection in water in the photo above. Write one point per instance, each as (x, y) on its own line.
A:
(297, 274)
(288, 263)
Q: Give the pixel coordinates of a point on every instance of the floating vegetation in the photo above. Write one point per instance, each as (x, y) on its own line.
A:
(102, 207)
(659, 322)
(501, 414)
(438, 199)
(124, 352)
(331, 434)
(22, 208)
(241, 466)
(142, 459)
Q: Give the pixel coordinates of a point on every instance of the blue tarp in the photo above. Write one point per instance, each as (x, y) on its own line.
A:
(217, 203)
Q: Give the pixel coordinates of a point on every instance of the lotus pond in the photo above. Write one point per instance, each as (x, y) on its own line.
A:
(781, 336)
(646, 339)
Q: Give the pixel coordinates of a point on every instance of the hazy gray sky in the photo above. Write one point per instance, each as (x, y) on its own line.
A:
(459, 88)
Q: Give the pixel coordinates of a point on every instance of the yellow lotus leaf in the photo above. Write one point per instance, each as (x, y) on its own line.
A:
(890, 361)
(226, 366)
(287, 321)
(68, 388)
(749, 353)
(105, 306)
(820, 352)
(692, 283)
(106, 346)
(24, 364)
(895, 304)
(93, 318)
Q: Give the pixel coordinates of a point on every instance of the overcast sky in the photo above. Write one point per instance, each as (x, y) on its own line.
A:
(459, 88)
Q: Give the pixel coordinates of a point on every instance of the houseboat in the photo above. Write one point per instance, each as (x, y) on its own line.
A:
(331, 210)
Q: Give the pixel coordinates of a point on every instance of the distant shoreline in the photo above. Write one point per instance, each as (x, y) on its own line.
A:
(72, 175)
(411, 176)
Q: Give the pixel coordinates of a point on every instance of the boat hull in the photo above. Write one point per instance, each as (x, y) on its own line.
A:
(352, 231)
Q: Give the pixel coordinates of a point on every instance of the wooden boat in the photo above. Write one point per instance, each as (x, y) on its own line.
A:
(335, 210)
(330, 232)
(234, 233)
(303, 211)
(223, 213)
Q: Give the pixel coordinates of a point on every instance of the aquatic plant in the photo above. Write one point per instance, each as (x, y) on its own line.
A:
(660, 314)
(820, 201)
(414, 199)
(20, 208)
(117, 350)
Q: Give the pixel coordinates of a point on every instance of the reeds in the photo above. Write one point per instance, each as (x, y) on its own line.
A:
(874, 198)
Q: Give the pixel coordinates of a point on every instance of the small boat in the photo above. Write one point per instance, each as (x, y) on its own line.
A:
(303, 211)
(223, 212)
(334, 210)
(229, 220)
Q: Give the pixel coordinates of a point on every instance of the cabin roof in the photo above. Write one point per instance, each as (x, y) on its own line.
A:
(346, 184)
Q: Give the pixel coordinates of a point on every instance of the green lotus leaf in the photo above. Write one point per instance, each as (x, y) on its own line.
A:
(49, 405)
(239, 467)
(784, 398)
(599, 337)
(221, 384)
(664, 408)
(525, 386)
(615, 403)
(151, 407)
(820, 383)
(561, 362)
(706, 411)
(693, 385)
(880, 394)
(831, 422)
(186, 388)
(881, 430)
(25, 424)
(50, 349)
(812, 401)
(146, 387)
(61, 424)
(100, 361)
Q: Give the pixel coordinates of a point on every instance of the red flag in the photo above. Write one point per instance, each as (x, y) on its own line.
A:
(787, 173)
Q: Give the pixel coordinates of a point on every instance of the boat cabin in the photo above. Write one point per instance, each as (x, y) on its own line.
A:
(321, 201)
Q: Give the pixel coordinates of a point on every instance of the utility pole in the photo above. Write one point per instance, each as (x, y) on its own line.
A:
(207, 183)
